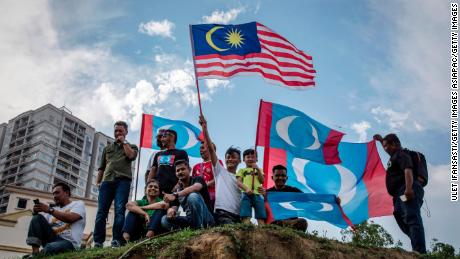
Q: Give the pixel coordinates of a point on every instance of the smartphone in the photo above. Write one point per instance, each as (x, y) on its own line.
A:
(403, 198)
(36, 201)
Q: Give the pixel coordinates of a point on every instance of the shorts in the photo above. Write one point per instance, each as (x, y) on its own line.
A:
(255, 201)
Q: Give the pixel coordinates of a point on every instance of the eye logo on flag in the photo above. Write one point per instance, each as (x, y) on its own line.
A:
(283, 205)
(336, 179)
(187, 134)
(359, 182)
(285, 128)
(282, 128)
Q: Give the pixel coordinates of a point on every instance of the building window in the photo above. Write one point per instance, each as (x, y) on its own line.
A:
(22, 203)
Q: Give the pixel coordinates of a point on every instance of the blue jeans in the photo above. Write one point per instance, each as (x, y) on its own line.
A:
(136, 228)
(109, 191)
(255, 201)
(407, 215)
(41, 234)
(197, 215)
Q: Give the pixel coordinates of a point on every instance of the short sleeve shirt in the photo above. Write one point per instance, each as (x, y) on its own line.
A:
(115, 163)
(145, 202)
(72, 232)
(228, 195)
(250, 179)
(204, 169)
(395, 178)
(203, 192)
(164, 162)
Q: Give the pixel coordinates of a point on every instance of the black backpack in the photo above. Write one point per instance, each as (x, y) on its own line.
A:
(419, 169)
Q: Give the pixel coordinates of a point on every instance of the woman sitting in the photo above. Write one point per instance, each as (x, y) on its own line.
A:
(144, 216)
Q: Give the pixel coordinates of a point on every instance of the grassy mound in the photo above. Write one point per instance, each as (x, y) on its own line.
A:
(240, 241)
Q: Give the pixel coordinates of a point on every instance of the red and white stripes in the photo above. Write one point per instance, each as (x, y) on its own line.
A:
(279, 62)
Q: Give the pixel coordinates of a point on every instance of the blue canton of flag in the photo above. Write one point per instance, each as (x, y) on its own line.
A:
(225, 39)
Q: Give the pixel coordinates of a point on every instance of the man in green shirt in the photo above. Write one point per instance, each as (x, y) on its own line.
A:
(114, 181)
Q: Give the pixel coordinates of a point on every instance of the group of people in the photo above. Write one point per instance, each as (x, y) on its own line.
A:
(209, 194)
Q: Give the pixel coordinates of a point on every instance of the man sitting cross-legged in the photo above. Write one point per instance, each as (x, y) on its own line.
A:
(191, 193)
(144, 216)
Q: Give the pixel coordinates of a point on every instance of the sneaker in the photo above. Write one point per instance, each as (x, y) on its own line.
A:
(98, 245)
(116, 244)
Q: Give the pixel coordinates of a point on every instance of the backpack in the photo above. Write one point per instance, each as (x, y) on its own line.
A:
(419, 169)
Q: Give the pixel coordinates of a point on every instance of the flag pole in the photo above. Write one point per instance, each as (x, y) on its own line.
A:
(141, 137)
(194, 68)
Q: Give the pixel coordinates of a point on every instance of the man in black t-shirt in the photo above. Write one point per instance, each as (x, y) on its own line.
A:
(406, 190)
(163, 163)
(191, 193)
(279, 177)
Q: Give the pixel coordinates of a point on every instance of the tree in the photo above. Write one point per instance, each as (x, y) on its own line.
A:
(369, 234)
(442, 250)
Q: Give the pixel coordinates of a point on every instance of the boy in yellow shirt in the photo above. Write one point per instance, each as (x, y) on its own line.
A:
(250, 180)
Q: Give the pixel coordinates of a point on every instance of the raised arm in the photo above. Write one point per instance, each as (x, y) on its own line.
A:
(207, 140)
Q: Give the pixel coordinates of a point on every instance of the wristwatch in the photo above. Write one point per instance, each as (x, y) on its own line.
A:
(176, 194)
(51, 211)
(125, 142)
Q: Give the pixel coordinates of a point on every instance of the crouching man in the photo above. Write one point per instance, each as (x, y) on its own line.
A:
(191, 193)
(60, 228)
(280, 177)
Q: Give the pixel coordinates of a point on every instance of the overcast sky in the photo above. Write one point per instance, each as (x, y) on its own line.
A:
(382, 66)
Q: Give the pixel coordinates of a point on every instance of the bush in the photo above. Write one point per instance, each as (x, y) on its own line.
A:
(369, 234)
(442, 250)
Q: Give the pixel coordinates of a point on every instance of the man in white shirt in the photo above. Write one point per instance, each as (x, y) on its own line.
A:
(60, 228)
(228, 194)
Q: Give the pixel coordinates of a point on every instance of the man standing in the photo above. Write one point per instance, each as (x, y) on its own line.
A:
(228, 194)
(150, 162)
(61, 229)
(163, 162)
(192, 194)
(406, 190)
(279, 177)
(116, 174)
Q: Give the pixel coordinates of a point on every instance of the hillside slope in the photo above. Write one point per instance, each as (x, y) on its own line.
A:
(240, 241)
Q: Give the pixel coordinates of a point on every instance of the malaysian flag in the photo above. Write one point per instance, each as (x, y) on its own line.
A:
(223, 51)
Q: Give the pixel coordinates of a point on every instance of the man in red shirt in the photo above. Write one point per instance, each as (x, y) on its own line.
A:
(204, 169)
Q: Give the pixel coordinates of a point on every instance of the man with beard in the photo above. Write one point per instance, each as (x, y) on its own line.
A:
(163, 163)
(60, 229)
(192, 195)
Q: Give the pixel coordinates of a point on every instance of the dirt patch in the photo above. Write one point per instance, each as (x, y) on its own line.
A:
(264, 242)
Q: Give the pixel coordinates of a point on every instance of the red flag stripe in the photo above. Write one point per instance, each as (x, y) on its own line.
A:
(222, 74)
(282, 44)
(263, 28)
(267, 67)
(146, 130)
(287, 67)
(282, 48)
(285, 56)
(263, 57)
